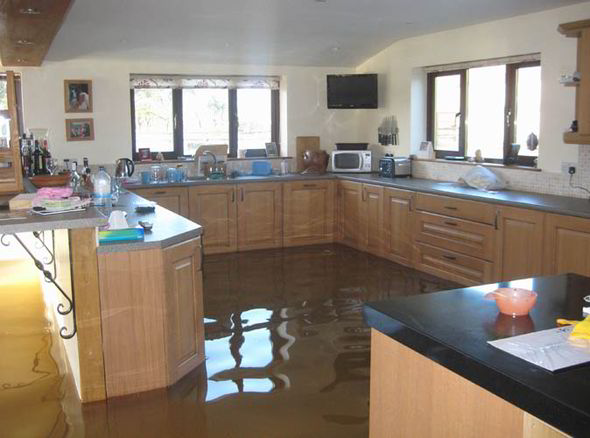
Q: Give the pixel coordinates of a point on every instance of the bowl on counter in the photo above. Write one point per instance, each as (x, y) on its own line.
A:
(513, 301)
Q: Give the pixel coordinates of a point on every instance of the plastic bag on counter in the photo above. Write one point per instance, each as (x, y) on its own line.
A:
(482, 178)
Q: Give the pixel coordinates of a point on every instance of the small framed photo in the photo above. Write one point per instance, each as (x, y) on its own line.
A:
(79, 129)
(78, 96)
(272, 149)
(144, 154)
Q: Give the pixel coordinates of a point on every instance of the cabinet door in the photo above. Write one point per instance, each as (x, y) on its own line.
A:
(214, 208)
(350, 203)
(185, 333)
(567, 245)
(174, 199)
(372, 219)
(519, 243)
(397, 225)
(308, 212)
(260, 212)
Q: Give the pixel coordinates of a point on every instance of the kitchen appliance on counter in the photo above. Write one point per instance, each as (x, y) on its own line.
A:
(351, 161)
(394, 167)
(124, 168)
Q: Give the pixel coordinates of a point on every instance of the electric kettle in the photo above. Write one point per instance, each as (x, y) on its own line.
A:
(124, 168)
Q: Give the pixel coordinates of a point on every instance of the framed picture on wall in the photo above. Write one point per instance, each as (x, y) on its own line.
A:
(79, 129)
(78, 96)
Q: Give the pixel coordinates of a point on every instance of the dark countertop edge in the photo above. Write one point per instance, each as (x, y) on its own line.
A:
(563, 417)
(399, 184)
(107, 248)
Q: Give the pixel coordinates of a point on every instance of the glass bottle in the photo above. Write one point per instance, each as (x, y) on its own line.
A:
(74, 176)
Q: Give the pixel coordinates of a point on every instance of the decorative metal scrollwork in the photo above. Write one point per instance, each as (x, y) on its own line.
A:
(50, 278)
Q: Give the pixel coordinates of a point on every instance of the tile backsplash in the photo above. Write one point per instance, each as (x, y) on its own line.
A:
(524, 180)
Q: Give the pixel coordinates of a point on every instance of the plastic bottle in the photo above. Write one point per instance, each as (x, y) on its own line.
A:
(74, 176)
(102, 188)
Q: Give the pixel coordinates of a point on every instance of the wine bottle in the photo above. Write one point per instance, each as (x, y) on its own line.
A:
(37, 159)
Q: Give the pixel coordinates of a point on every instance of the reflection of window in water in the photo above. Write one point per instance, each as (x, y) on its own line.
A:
(249, 347)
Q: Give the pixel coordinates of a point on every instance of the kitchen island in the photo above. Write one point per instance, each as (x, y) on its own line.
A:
(433, 373)
(129, 314)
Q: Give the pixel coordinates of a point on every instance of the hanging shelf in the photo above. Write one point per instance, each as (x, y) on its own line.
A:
(581, 31)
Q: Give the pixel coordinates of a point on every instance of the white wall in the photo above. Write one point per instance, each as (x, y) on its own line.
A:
(303, 103)
(403, 81)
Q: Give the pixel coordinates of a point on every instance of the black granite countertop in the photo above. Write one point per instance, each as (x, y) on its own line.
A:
(549, 203)
(452, 329)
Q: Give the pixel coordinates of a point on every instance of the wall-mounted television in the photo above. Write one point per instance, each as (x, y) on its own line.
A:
(352, 91)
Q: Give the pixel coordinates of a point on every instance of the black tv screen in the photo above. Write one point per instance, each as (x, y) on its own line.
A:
(352, 91)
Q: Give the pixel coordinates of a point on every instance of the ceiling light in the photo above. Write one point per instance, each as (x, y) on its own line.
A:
(24, 42)
(335, 49)
(321, 1)
(29, 11)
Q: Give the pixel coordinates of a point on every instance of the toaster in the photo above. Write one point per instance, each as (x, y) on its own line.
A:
(394, 167)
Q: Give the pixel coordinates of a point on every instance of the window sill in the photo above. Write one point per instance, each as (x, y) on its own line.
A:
(473, 163)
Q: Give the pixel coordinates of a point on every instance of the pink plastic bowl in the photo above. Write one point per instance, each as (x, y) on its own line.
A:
(513, 301)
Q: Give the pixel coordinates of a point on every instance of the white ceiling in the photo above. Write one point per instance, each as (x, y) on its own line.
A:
(269, 32)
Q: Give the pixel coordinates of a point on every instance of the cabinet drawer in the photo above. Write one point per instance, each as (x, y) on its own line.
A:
(467, 237)
(461, 208)
(163, 191)
(452, 265)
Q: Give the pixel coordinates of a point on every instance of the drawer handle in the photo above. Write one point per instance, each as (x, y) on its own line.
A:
(160, 193)
(309, 186)
(450, 208)
(452, 224)
(448, 257)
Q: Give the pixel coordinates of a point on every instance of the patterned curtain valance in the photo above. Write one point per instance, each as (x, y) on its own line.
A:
(483, 63)
(185, 81)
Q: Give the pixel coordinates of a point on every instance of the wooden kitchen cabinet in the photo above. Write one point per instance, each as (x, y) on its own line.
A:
(174, 199)
(360, 216)
(350, 211)
(372, 219)
(260, 216)
(308, 212)
(519, 241)
(567, 245)
(184, 304)
(398, 225)
(214, 207)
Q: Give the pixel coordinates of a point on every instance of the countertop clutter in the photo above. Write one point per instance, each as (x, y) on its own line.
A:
(452, 328)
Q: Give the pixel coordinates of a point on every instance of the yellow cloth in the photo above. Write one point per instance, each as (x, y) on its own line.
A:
(581, 330)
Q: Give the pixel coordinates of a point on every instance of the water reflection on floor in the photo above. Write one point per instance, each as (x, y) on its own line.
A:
(287, 353)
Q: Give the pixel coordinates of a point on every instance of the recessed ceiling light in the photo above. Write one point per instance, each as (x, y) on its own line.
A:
(29, 11)
(335, 49)
(24, 42)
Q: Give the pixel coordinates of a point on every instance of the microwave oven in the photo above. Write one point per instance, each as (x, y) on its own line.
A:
(351, 161)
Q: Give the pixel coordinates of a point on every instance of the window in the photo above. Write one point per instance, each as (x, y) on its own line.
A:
(175, 115)
(487, 108)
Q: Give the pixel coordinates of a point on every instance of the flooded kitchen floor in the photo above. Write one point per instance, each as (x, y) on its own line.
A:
(287, 353)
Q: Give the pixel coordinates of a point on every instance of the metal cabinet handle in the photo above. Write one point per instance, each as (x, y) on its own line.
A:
(496, 219)
(233, 196)
(364, 194)
(242, 195)
(452, 224)
(449, 257)
(410, 204)
(450, 208)
(309, 186)
(160, 193)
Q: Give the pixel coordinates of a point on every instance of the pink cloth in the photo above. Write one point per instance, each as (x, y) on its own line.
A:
(54, 192)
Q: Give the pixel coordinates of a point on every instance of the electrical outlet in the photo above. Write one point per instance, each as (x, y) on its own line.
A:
(565, 167)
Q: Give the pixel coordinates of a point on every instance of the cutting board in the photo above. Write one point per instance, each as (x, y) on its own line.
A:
(23, 201)
(303, 144)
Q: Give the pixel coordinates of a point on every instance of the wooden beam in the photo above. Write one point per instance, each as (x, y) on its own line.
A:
(27, 29)
(574, 28)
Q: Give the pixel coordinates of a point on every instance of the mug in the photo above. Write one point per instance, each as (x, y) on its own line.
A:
(172, 175)
(146, 177)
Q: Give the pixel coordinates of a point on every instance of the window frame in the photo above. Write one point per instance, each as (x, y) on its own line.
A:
(178, 124)
(509, 112)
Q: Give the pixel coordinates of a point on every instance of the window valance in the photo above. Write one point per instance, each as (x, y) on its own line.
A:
(191, 81)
